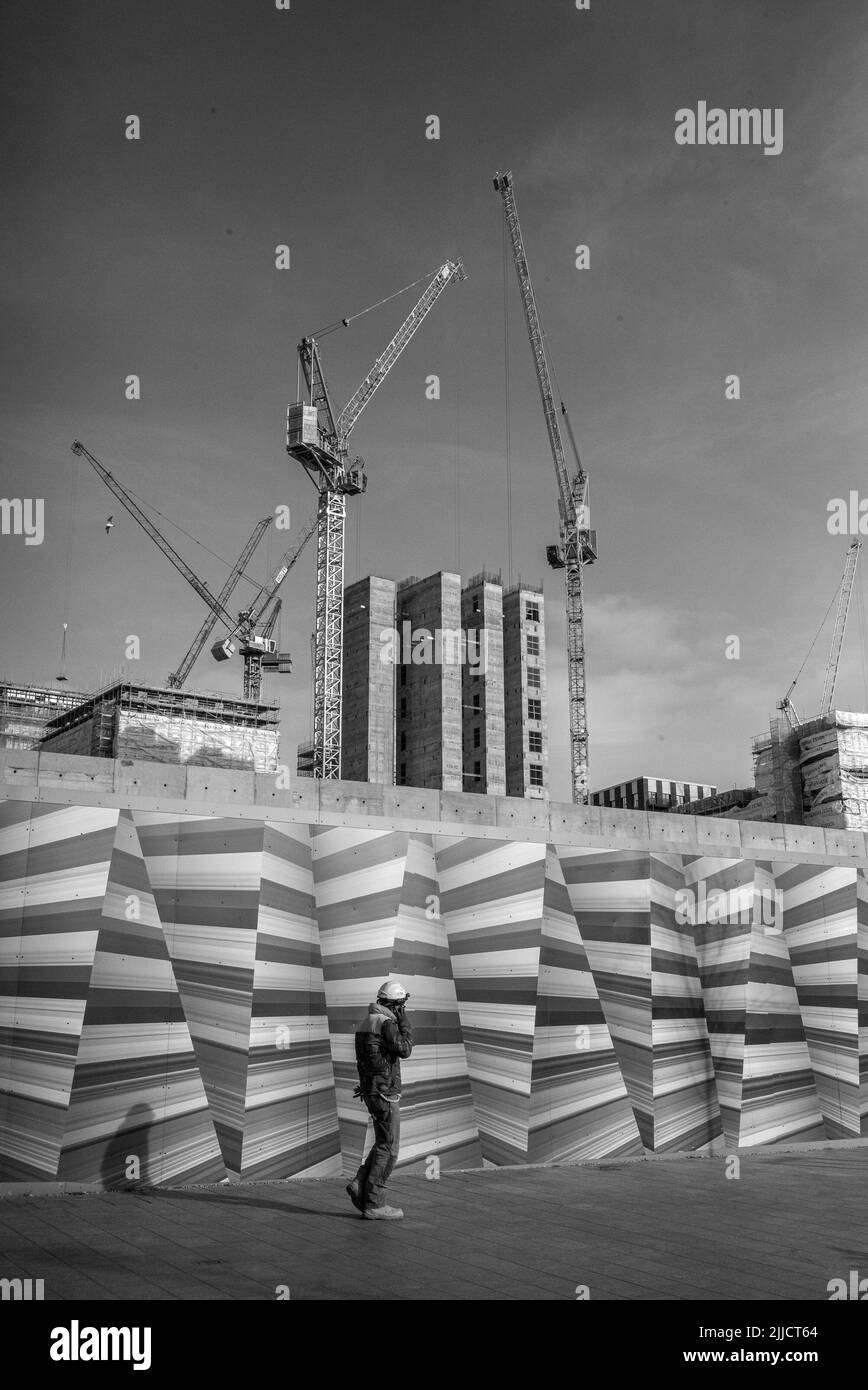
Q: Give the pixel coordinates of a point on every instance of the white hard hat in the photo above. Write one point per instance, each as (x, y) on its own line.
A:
(392, 992)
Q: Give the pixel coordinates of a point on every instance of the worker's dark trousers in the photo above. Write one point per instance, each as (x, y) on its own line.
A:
(377, 1167)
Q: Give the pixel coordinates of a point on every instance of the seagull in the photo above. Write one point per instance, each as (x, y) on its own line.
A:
(110, 523)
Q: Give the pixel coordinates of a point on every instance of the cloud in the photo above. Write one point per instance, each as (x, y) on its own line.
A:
(663, 700)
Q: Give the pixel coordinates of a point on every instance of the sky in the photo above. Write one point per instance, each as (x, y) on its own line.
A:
(306, 127)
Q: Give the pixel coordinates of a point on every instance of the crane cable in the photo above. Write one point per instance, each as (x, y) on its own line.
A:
(73, 497)
(863, 636)
(345, 323)
(508, 440)
(201, 544)
(312, 686)
(814, 643)
(457, 497)
(551, 362)
(73, 507)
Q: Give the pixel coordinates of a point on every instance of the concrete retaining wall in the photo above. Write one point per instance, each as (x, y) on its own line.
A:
(184, 953)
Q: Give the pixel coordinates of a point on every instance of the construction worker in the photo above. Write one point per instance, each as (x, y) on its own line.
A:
(382, 1039)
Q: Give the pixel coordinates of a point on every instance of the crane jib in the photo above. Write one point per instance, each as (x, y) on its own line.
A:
(154, 532)
(579, 544)
(376, 376)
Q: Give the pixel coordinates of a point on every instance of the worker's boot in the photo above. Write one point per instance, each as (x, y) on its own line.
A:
(383, 1213)
(354, 1192)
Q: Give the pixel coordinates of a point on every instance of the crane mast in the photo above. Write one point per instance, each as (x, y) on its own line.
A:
(840, 626)
(318, 441)
(256, 660)
(578, 545)
(256, 624)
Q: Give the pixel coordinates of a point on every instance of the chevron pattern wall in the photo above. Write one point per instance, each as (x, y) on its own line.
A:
(178, 995)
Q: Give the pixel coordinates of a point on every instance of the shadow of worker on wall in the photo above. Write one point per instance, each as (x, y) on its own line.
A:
(125, 1158)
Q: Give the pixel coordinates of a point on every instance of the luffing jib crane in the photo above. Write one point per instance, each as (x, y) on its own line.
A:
(318, 440)
(256, 622)
(179, 676)
(254, 625)
(578, 544)
(830, 680)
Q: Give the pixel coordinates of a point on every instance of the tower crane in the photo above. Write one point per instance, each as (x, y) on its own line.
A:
(830, 680)
(578, 544)
(257, 662)
(318, 440)
(254, 625)
(178, 677)
(846, 591)
(256, 622)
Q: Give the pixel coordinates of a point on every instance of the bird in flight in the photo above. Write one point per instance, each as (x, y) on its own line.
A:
(110, 523)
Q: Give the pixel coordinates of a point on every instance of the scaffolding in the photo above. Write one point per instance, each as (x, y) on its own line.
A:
(26, 710)
(833, 769)
(785, 771)
(816, 774)
(306, 759)
(165, 725)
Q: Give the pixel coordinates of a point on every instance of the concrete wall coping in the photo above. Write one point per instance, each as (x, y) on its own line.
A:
(63, 778)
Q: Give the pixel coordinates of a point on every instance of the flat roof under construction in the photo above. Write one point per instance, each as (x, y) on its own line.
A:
(166, 700)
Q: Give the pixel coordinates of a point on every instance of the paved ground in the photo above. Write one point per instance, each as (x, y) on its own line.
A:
(661, 1229)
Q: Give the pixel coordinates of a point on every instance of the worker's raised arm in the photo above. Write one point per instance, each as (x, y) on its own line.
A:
(399, 1036)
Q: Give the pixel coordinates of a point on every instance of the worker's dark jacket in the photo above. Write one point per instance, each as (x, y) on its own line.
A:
(380, 1044)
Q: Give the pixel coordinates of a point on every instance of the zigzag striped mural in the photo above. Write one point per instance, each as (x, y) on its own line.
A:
(138, 1110)
(178, 994)
(579, 1103)
(825, 917)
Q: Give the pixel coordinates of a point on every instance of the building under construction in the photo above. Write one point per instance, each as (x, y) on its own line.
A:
(814, 774)
(26, 710)
(159, 724)
(444, 686)
(475, 720)
(653, 794)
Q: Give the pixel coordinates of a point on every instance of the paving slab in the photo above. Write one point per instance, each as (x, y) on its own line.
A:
(673, 1229)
